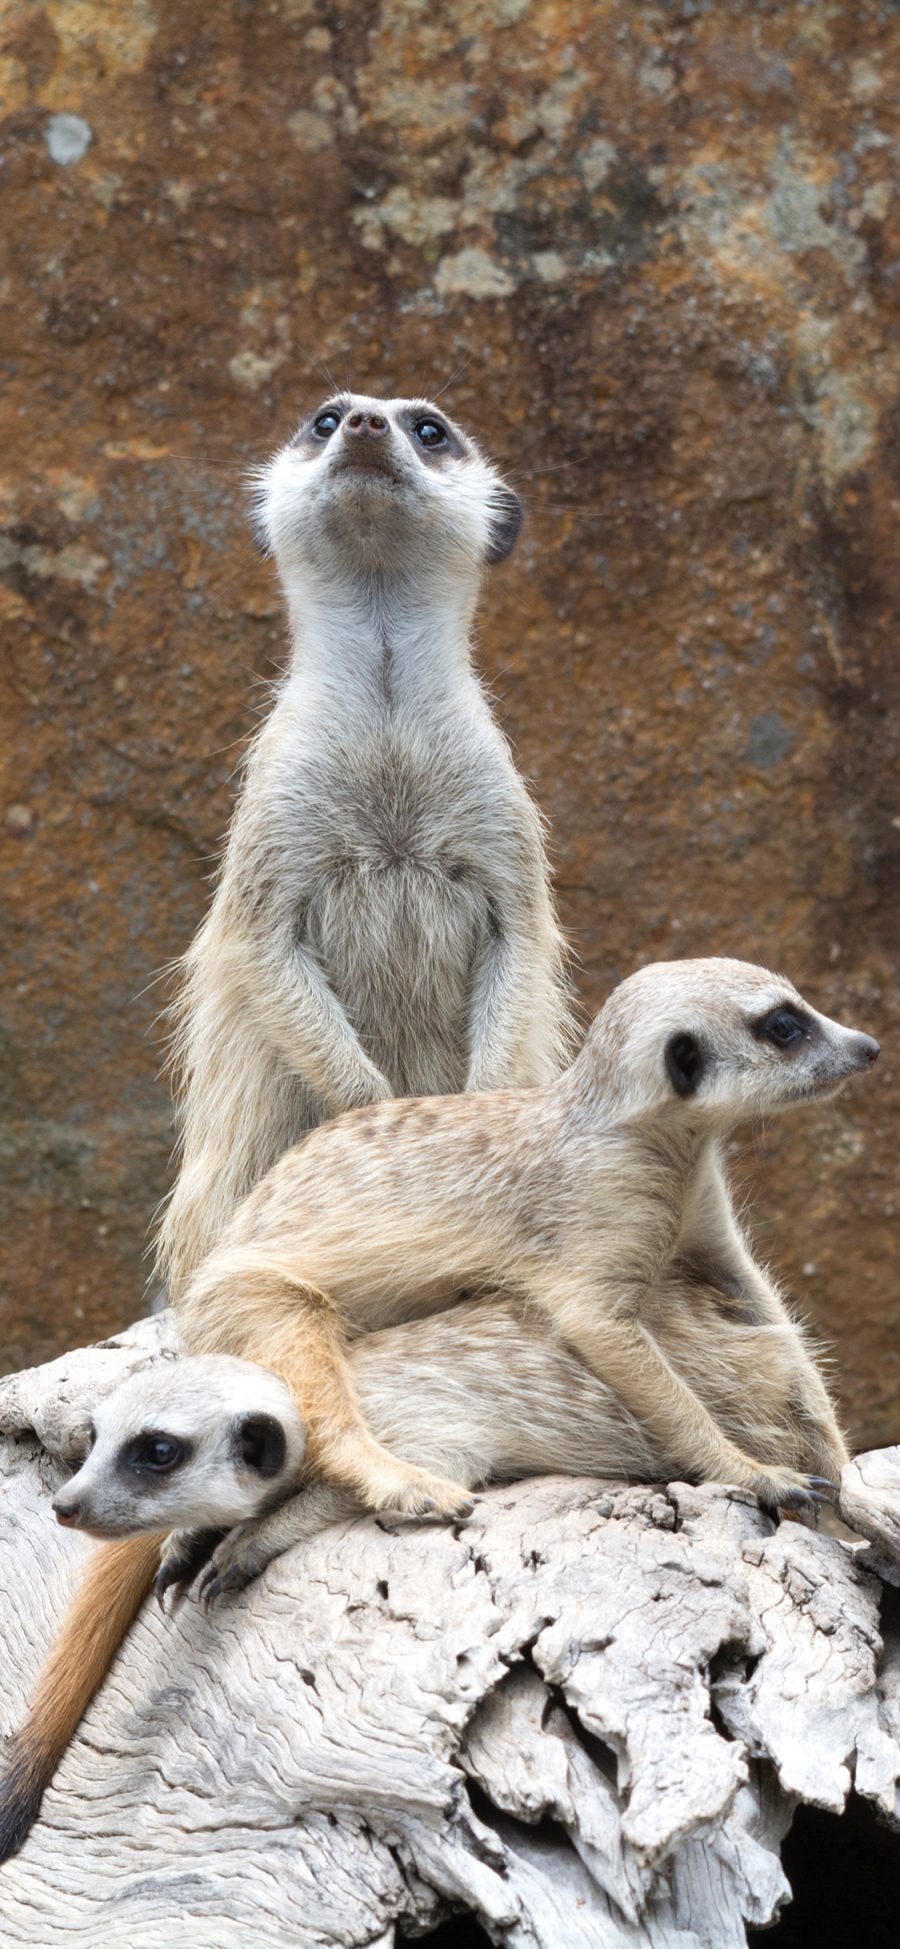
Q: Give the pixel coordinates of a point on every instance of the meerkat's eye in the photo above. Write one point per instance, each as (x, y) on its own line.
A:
(326, 424)
(430, 434)
(785, 1027)
(157, 1452)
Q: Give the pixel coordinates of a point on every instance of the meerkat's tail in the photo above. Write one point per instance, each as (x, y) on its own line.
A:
(106, 1603)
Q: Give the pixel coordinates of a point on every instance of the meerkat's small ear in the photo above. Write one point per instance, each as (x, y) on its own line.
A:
(507, 515)
(685, 1063)
(260, 1442)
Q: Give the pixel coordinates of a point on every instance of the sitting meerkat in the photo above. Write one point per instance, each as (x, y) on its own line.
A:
(579, 1194)
(383, 924)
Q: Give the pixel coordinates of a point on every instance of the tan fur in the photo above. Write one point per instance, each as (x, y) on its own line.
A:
(488, 1392)
(383, 923)
(581, 1195)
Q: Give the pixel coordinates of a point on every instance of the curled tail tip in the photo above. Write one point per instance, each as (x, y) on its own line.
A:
(22, 1787)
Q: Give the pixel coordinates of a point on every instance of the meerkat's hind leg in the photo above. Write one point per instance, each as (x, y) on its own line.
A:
(351, 1457)
(241, 1303)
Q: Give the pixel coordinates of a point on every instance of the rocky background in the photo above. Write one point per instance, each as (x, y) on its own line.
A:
(652, 253)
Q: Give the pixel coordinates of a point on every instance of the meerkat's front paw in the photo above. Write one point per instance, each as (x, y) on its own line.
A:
(250, 1547)
(409, 1491)
(236, 1561)
(787, 1489)
(183, 1554)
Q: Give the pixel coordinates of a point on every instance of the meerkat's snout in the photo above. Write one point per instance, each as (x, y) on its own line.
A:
(365, 426)
(814, 1056)
(363, 439)
(849, 1053)
(865, 1050)
(67, 1513)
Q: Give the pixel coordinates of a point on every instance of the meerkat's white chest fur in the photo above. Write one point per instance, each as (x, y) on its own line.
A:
(383, 818)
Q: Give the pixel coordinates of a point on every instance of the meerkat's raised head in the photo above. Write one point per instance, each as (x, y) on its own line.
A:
(211, 1441)
(730, 1039)
(388, 486)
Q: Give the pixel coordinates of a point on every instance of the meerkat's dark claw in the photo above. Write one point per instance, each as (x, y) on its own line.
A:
(796, 1499)
(183, 1565)
(803, 1501)
(167, 1575)
(428, 1507)
(215, 1584)
(826, 1489)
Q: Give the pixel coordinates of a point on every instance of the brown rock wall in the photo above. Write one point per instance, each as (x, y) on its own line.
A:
(658, 247)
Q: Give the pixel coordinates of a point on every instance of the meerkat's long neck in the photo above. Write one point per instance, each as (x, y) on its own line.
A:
(665, 1160)
(385, 645)
(660, 1147)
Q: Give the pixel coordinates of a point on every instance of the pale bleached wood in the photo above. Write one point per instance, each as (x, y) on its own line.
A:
(870, 1504)
(52, 1401)
(585, 1716)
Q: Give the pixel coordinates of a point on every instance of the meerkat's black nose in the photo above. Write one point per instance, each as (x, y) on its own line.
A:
(67, 1513)
(868, 1050)
(365, 426)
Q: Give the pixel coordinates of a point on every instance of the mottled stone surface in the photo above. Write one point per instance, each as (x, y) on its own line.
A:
(661, 244)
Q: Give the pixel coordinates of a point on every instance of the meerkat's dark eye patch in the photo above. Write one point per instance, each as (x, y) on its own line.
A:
(785, 1027)
(154, 1453)
(685, 1063)
(260, 1442)
(507, 514)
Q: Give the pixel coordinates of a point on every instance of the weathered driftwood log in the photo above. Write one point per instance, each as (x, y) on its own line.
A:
(586, 1716)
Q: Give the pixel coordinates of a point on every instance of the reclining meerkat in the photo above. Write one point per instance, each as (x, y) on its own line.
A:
(383, 924)
(580, 1195)
(485, 1391)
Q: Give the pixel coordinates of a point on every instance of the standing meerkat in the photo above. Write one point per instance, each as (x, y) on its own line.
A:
(580, 1194)
(383, 921)
(485, 1391)
(383, 924)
